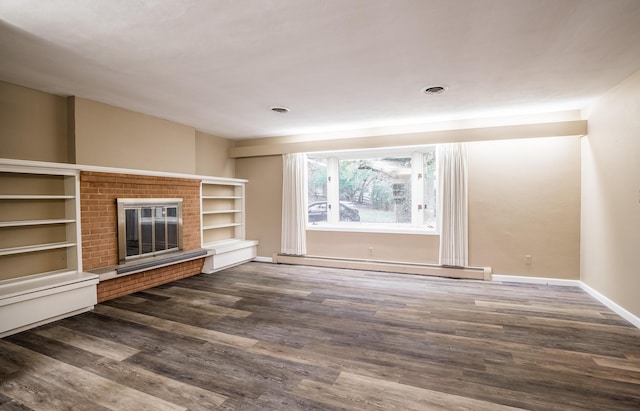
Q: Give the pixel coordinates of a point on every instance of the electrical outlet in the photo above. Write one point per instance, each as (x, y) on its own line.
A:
(528, 259)
(371, 251)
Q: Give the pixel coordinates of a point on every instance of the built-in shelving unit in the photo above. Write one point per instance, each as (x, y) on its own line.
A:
(40, 246)
(223, 224)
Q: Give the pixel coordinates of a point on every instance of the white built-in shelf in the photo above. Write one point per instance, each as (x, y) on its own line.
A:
(38, 282)
(28, 302)
(221, 211)
(227, 253)
(34, 222)
(221, 197)
(48, 199)
(222, 207)
(214, 226)
(223, 225)
(39, 287)
(34, 197)
(225, 246)
(35, 247)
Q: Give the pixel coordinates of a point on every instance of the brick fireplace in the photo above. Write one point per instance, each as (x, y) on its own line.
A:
(98, 194)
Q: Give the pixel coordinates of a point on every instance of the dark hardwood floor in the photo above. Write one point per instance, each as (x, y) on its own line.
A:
(276, 337)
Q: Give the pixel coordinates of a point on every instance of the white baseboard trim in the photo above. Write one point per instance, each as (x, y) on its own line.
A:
(572, 283)
(613, 306)
(263, 259)
(535, 280)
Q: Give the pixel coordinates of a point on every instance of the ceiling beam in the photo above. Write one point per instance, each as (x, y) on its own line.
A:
(575, 128)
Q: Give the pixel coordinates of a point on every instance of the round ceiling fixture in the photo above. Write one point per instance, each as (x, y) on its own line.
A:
(434, 90)
(280, 109)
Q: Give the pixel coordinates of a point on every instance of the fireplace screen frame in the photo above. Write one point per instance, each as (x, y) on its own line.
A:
(145, 216)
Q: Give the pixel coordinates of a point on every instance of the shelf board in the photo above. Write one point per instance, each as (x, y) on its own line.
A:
(221, 211)
(222, 246)
(213, 226)
(28, 284)
(34, 197)
(34, 222)
(37, 247)
(220, 184)
(221, 197)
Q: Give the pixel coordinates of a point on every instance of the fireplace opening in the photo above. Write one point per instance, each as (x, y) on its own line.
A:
(148, 227)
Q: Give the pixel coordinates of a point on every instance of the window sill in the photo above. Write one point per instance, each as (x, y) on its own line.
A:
(373, 228)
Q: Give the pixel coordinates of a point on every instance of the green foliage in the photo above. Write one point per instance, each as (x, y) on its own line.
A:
(369, 183)
(317, 180)
(381, 197)
(362, 182)
(355, 178)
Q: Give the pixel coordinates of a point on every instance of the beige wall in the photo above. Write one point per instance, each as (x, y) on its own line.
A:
(212, 156)
(111, 136)
(44, 127)
(263, 201)
(524, 199)
(33, 125)
(610, 242)
(408, 248)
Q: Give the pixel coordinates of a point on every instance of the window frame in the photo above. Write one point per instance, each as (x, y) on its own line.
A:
(417, 225)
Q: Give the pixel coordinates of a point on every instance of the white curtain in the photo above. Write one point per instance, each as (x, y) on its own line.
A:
(294, 204)
(452, 204)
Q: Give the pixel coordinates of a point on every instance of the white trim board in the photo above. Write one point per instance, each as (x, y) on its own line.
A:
(263, 259)
(71, 168)
(572, 283)
(535, 280)
(612, 305)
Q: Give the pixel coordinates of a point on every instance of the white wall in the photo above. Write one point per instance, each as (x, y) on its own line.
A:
(610, 204)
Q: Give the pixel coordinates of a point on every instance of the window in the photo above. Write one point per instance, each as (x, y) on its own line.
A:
(147, 227)
(373, 190)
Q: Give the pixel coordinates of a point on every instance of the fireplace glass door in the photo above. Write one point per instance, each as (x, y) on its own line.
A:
(148, 228)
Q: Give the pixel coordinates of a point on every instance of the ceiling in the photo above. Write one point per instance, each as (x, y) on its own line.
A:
(220, 65)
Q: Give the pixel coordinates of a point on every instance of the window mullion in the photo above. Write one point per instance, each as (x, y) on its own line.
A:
(417, 188)
(166, 228)
(333, 191)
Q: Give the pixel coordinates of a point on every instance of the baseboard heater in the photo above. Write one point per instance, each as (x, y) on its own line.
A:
(475, 273)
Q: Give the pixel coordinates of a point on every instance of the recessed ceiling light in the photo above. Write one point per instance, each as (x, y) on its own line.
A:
(434, 90)
(280, 109)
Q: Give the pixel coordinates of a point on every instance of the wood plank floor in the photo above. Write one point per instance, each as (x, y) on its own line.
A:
(275, 337)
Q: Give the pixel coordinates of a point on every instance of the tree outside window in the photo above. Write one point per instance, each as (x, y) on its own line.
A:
(387, 191)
